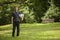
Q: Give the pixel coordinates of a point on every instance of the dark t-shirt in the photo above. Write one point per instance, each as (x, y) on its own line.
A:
(15, 16)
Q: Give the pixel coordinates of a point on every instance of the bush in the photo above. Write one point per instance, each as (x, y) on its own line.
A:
(52, 13)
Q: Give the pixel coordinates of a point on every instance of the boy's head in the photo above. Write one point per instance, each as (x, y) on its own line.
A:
(16, 8)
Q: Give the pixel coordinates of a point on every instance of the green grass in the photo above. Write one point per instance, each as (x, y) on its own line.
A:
(37, 31)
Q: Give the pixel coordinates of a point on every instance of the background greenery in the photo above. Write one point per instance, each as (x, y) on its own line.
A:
(34, 10)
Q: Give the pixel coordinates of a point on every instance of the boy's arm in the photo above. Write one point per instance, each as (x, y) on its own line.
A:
(12, 20)
(22, 17)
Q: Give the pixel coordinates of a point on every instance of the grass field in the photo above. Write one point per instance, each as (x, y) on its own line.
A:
(49, 31)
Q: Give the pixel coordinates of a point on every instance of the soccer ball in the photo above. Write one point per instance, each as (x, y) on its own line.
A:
(21, 15)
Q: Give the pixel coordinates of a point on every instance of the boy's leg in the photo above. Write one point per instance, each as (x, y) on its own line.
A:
(18, 28)
(14, 27)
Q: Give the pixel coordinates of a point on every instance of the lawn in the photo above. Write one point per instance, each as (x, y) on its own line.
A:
(36, 31)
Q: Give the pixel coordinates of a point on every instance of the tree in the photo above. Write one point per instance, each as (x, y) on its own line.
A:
(39, 7)
(53, 12)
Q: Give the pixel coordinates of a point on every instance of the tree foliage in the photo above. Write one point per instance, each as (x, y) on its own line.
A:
(33, 10)
(53, 11)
